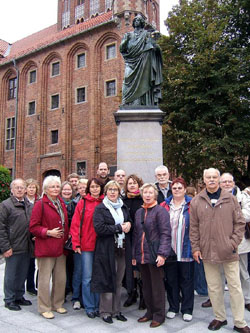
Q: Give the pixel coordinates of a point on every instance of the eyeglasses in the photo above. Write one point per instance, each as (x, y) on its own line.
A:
(19, 187)
(113, 190)
(226, 181)
(54, 186)
(177, 188)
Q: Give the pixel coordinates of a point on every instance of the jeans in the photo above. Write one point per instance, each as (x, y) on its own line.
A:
(90, 300)
(200, 283)
(77, 278)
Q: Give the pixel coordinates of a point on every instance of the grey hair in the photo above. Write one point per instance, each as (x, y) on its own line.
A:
(15, 180)
(211, 169)
(227, 174)
(161, 167)
(147, 185)
(50, 179)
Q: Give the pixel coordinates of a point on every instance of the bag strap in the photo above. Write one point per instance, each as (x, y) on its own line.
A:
(82, 218)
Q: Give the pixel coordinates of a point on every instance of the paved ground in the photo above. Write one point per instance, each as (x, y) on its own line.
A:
(28, 320)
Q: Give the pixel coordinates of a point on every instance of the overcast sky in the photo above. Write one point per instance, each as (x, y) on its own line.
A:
(21, 18)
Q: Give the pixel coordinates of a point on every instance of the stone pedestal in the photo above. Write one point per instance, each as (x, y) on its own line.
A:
(139, 141)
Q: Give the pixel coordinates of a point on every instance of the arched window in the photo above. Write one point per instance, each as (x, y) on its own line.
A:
(94, 7)
(108, 5)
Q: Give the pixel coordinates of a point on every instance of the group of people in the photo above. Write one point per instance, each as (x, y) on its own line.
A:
(155, 236)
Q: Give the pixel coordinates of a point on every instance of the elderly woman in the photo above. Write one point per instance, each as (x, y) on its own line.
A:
(152, 226)
(83, 240)
(112, 224)
(32, 190)
(133, 201)
(180, 273)
(49, 224)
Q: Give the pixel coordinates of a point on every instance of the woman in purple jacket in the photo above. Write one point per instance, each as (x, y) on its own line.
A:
(151, 225)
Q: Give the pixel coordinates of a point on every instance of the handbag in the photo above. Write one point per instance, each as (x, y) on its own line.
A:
(68, 244)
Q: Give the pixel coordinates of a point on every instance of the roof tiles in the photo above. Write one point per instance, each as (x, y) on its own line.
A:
(47, 37)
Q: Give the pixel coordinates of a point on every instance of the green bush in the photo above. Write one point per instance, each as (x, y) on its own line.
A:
(5, 180)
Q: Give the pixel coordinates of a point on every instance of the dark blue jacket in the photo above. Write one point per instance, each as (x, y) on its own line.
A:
(187, 250)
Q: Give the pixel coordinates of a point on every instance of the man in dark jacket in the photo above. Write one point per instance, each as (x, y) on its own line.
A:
(163, 183)
(102, 172)
(14, 244)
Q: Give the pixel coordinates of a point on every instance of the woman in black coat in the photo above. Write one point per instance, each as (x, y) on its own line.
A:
(112, 224)
(133, 201)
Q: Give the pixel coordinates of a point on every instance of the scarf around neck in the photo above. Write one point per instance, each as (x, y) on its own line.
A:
(115, 209)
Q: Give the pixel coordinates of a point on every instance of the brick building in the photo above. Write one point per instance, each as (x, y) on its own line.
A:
(59, 88)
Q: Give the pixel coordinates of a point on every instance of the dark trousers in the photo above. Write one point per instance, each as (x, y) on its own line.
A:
(180, 279)
(200, 282)
(16, 269)
(153, 291)
(110, 303)
(30, 283)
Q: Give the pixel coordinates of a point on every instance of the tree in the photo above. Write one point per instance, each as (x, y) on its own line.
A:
(5, 180)
(206, 93)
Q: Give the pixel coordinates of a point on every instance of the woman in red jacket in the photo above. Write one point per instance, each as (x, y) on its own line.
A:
(49, 224)
(84, 244)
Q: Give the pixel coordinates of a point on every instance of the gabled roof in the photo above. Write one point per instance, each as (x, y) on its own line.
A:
(47, 37)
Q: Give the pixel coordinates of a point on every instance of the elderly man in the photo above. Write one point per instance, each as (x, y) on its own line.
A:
(227, 183)
(103, 172)
(119, 177)
(216, 229)
(14, 243)
(162, 176)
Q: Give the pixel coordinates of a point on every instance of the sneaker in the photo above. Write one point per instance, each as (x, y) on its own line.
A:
(171, 315)
(187, 317)
(76, 305)
(226, 287)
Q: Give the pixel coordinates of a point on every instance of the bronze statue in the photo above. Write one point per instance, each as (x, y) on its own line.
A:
(143, 66)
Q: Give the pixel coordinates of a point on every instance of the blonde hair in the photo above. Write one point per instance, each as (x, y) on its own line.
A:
(147, 185)
(112, 183)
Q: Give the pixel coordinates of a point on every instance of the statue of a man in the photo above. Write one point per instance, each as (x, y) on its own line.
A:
(143, 66)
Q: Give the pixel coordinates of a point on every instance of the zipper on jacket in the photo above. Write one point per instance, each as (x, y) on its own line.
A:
(142, 239)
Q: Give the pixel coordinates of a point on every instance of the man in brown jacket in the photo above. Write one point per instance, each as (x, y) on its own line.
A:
(216, 229)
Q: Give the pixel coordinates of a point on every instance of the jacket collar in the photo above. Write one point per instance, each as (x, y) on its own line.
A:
(224, 196)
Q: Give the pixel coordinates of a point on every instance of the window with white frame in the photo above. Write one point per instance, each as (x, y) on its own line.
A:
(55, 69)
(111, 51)
(81, 60)
(12, 88)
(10, 133)
(94, 7)
(55, 101)
(32, 76)
(54, 137)
(110, 88)
(80, 95)
(31, 108)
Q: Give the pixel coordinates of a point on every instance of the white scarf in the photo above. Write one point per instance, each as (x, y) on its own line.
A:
(115, 209)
